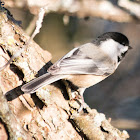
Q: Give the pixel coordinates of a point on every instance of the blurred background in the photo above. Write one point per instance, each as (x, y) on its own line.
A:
(118, 96)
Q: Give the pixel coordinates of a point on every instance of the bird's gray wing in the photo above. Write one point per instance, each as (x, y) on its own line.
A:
(82, 61)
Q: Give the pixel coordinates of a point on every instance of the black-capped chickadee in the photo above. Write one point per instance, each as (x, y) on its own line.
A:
(87, 64)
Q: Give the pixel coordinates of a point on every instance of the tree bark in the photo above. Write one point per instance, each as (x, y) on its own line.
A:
(46, 114)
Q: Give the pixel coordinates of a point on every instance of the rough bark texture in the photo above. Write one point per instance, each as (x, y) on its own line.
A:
(48, 114)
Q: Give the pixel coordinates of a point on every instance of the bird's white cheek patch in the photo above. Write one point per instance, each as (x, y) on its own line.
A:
(109, 47)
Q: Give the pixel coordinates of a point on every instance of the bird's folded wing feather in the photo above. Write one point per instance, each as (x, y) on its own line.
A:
(78, 62)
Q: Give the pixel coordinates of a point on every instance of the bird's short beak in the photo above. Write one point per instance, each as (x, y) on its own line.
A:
(129, 47)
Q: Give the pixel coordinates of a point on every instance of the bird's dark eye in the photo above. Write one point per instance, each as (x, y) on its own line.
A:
(123, 43)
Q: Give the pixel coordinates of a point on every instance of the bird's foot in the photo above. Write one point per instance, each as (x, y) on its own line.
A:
(78, 103)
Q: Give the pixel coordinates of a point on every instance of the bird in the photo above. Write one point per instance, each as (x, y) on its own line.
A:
(86, 65)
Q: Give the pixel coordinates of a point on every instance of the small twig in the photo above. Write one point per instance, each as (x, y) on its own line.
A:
(31, 25)
(36, 31)
(38, 23)
(126, 124)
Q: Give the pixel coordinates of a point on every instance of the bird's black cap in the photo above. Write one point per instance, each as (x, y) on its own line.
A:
(118, 37)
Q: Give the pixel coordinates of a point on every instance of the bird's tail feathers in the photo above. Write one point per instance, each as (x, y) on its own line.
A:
(41, 81)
